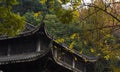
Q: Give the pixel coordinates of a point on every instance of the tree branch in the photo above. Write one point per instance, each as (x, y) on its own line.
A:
(105, 11)
(103, 27)
(90, 14)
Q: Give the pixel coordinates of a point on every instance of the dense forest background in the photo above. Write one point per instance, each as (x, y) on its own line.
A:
(92, 28)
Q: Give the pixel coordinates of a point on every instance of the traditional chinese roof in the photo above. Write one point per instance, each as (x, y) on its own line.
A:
(28, 28)
(20, 58)
(30, 32)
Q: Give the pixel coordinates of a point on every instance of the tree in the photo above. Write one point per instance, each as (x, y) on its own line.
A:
(99, 21)
(33, 18)
(10, 23)
(27, 6)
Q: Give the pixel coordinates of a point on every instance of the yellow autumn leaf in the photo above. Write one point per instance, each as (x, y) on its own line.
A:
(72, 45)
(72, 51)
(37, 14)
(98, 54)
(108, 35)
(75, 58)
(43, 1)
(60, 40)
(55, 46)
(85, 42)
(100, 44)
(76, 14)
(81, 52)
(85, 60)
(73, 36)
(92, 50)
(107, 57)
(59, 58)
(59, 1)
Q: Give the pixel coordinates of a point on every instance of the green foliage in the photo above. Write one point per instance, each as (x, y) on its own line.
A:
(10, 2)
(65, 16)
(28, 6)
(33, 18)
(10, 23)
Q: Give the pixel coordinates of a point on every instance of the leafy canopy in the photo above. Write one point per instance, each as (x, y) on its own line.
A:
(10, 23)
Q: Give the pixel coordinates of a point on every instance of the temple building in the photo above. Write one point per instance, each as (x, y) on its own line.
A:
(35, 51)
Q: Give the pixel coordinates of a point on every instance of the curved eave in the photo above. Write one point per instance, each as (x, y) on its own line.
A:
(21, 58)
(40, 29)
(85, 57)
